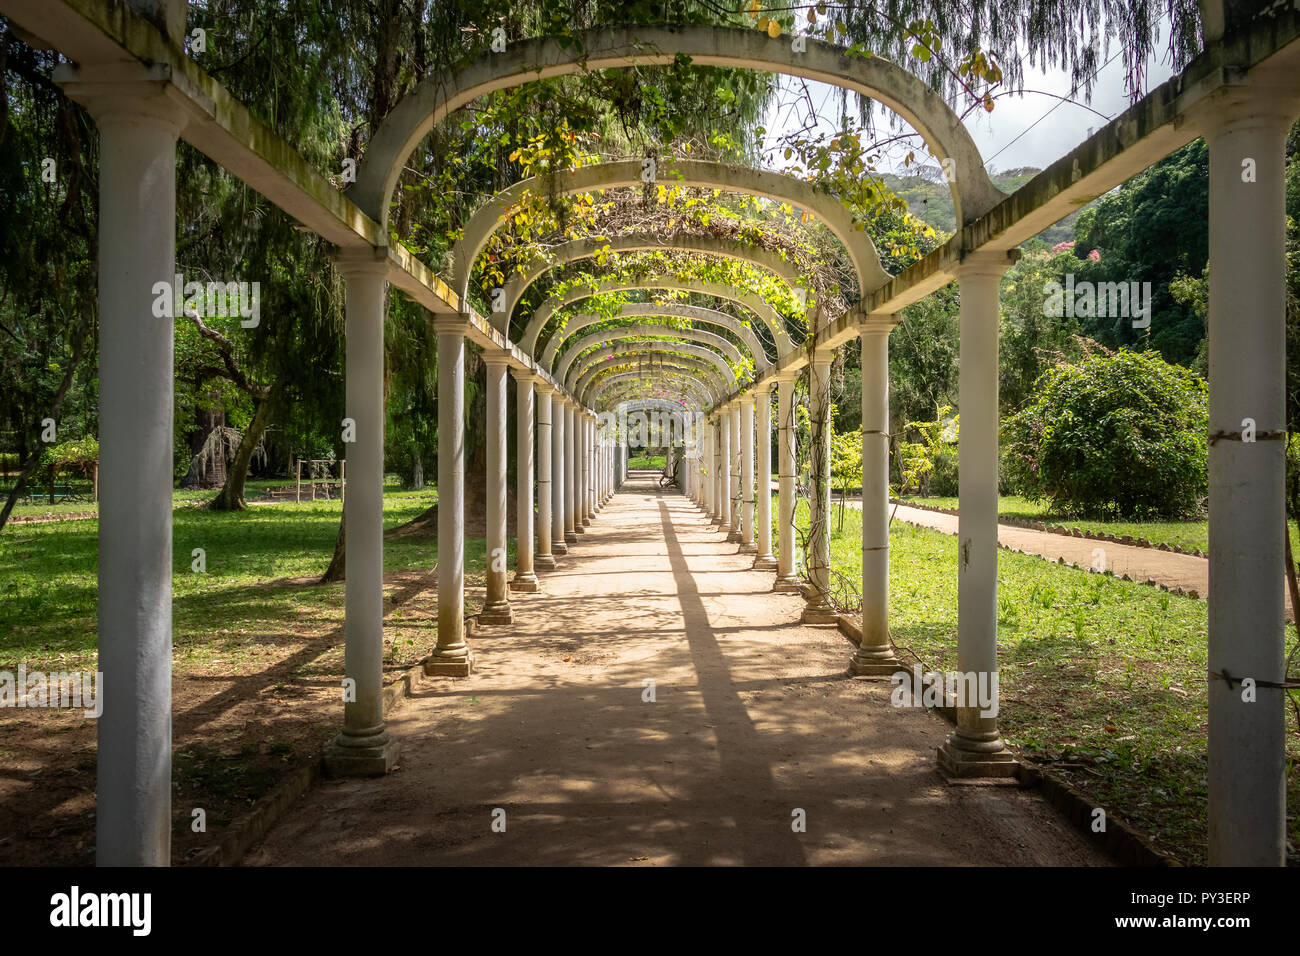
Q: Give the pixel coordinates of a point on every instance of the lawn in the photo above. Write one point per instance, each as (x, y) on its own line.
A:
(257, 660)
(648, 461)
(1101, 680)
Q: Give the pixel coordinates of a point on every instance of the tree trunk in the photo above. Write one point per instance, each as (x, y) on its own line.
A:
(89, 305)
(337, 570)
(417, 472)
(211, 474)
(231, 497)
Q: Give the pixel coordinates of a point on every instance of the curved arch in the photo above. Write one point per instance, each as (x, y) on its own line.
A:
(686, 172)
(677, 350)
(609, 47)
(755, 303)
(654, 404)
(690, 390)
(518, 283)
(675, 310)
(686, 379)
(697, 369)
(643, 332)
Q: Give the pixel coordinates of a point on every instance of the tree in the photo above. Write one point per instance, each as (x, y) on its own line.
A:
(1120, 434)
(1151, 229)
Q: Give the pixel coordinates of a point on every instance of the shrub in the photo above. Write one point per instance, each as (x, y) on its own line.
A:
(1120, 434)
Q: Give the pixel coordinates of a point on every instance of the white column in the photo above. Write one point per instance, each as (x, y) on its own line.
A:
(559, 459)
(747, 545)
(976, 747)
(724, 470)
(875, 655)
(572, 525)
(765, 559)
(525, 578)
(138, 126)
(706, 467)
(545, 559)
(818, 608)
(589, 430)
(735, 486)
(496, 605)
(787, 577)
(582, 465)
(719, 464)
(1247, 732)
(364, 747)
(451, 657)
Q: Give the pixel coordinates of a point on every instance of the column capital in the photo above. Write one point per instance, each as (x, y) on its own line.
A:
(988, 263)
(128, 91)
(358, 263)
(496, 359)
(1247, 101)
(451, 324)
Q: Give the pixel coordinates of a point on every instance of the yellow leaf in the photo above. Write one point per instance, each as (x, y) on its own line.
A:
(773, 29)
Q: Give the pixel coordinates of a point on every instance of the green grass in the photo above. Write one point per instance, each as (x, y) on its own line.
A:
(648, 461)
(1102, 679)
(253, 489)
(48, 581)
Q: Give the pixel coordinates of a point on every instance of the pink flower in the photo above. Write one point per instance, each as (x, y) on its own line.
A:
(1094, 256)
(1062, 246)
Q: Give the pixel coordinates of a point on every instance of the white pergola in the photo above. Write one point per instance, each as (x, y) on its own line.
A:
(132, 75)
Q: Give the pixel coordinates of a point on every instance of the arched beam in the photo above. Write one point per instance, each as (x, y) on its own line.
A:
(639, 332)
(652, 347)
(654, 405)
(685, 380)
(683, 364)
(676, 382)
(589, 246)
(682, 172)
(610, 47)
(755, 303)
(675, 310)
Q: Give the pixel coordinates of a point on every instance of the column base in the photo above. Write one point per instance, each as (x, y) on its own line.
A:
(765, 562)
(962, 757)
(544, 562)
(525, 581)
(733, 537)
(372, 755)
(882, 664)
(496, 613)
(716, 521)
(577, 530)
(569, 538)
(586, 523)
(819, 615)
(791, 584)
(750, 548)
(449, 666)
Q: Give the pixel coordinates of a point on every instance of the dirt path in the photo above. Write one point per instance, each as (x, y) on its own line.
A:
(1166, 567)
(753, 720)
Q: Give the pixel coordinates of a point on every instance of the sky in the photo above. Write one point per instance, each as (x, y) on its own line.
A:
(1007, 138)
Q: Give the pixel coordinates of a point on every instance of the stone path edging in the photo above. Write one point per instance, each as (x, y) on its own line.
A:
(266, 812)
(1125, 844)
